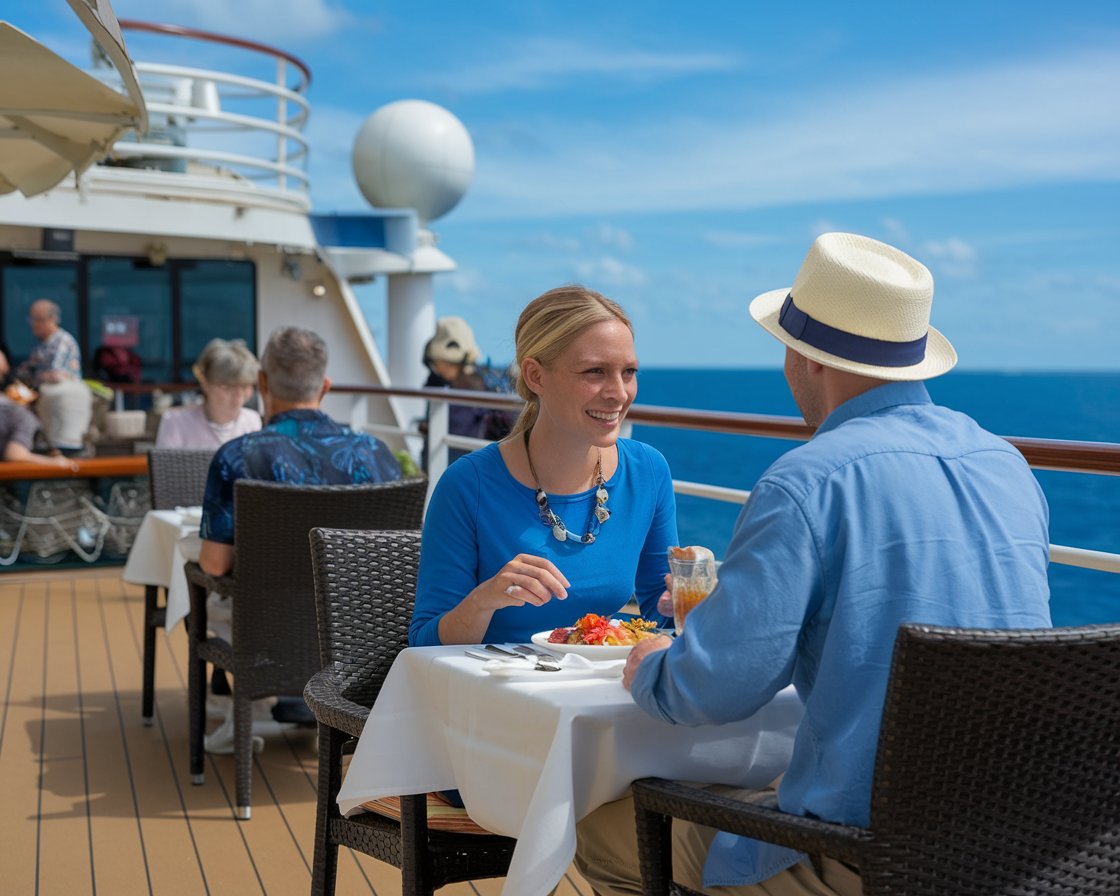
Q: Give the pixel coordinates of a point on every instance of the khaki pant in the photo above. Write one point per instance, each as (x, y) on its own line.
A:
(607, 856)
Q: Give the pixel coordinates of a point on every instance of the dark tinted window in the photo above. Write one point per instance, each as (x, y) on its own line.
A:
(216, 300)
(23, 284)
(163, 314)
(130, 307)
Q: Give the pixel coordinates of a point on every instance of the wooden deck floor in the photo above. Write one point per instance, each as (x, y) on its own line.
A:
(91, 801)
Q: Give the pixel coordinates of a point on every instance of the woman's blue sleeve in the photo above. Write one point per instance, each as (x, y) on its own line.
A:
(448, 552)
(653, 563)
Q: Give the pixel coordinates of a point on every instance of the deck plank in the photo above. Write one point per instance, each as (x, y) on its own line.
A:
(21, 734)
(95, 802)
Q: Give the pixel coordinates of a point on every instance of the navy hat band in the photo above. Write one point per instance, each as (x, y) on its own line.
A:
(861, 349)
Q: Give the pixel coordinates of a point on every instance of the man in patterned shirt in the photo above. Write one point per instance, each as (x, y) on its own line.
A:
(54, 368)
(299, 444)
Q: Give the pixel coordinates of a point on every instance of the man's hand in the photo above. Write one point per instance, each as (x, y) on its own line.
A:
(639, 652)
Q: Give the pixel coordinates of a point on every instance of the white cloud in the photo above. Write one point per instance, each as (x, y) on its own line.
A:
(609, 271)
(734, 239)
(1007, 124)
(611, 237)
(466, 281)
(542, 63)
(553, 242)
(953, 257)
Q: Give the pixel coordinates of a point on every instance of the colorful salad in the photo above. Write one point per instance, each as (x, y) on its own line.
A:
(599, 630)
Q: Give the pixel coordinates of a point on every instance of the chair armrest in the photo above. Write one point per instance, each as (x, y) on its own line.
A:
(331, 708)
(655, 797)
(196, 575)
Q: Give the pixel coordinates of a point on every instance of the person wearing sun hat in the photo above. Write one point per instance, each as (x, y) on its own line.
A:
(896, 510)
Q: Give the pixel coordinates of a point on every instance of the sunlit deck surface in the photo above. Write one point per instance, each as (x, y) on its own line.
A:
(94, 802)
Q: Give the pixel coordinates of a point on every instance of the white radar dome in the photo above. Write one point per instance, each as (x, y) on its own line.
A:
(413, 154)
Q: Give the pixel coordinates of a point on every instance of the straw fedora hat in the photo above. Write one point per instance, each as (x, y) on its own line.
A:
(862, 306)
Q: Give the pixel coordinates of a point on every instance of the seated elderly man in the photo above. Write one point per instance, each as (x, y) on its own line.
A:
(54, 369)
(298, 444)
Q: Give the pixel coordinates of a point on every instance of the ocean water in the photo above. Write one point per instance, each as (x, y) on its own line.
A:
(1084, 509)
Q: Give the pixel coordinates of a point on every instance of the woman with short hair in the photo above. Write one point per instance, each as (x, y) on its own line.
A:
(227, 373)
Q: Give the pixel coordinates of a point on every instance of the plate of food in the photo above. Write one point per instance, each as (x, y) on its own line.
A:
(597, 637)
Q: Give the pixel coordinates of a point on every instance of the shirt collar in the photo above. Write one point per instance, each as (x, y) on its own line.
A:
(296, 414)
(878, 399)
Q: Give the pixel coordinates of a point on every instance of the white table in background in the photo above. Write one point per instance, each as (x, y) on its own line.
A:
(165, 541)
(532, 756)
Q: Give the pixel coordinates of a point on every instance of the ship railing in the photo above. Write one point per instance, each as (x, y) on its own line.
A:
(1095, 458)
(242, 130)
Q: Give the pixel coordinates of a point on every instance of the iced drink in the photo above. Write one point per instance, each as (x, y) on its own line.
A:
(694, 577)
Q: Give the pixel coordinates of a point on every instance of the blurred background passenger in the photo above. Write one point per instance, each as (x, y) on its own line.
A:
(227, 373)
(54, 370)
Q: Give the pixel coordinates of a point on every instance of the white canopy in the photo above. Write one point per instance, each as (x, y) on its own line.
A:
(54, 117)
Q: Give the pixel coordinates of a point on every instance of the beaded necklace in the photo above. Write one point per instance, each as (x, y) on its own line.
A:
(549, 517)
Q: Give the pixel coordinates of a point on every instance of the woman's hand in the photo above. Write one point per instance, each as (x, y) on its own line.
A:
(526, 579)
(665, 602)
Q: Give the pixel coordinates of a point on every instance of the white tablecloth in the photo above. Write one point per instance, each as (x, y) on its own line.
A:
(166, 540)
(531, 756)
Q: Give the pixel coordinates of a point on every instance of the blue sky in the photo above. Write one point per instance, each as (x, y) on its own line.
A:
(680, 157)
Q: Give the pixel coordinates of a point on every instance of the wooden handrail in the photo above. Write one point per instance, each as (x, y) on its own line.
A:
(1042, 454)
(84, 468)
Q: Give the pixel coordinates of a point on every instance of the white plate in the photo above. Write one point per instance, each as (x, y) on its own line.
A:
(591, 651)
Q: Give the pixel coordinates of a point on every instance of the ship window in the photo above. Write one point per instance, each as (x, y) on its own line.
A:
(159, 315)
(129, 306)
(216, 299)
(22, 285)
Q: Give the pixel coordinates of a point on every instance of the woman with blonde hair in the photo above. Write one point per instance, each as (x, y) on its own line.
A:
(227, 374)
(563, 517)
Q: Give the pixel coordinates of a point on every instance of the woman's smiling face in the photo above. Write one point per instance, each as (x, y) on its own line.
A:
(589, 388)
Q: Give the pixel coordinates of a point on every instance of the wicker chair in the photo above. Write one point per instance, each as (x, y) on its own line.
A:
(365, 584)
(997, 773)
(275, 641)
(178, 479)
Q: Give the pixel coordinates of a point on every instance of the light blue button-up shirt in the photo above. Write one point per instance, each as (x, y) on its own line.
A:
(897, 510)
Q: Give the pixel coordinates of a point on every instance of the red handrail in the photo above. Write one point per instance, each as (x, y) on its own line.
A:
(213, 37)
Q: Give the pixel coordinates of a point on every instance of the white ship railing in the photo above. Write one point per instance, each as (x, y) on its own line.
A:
(1094, 458)
(245, 131)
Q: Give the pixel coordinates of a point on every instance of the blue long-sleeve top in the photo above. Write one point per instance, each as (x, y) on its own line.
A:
(480, 518)
(895, 511)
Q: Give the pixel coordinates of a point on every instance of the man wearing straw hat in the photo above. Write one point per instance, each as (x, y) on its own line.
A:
(897, 510)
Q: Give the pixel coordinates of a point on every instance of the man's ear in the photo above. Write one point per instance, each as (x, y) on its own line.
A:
(326, 387)
(814, 367)
(262, 383)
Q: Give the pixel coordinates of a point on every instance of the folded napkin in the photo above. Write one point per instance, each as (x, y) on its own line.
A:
(190, 514)
(572, 665)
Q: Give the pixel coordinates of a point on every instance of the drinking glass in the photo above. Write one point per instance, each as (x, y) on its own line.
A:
(693, 580)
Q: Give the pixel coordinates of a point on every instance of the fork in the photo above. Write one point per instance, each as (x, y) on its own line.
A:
(543, 664)
(526, 650)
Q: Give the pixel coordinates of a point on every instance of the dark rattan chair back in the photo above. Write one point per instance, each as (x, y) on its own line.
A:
(178, 479)
(996, 772)
(275, 637)
(365, 586)
(178, 476)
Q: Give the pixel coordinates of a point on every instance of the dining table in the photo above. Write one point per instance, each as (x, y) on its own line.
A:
(532, 752)
(165, 541)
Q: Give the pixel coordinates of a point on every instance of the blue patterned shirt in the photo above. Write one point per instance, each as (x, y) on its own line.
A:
(895, 511)
(57, 352)
(301, 446)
